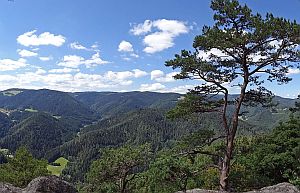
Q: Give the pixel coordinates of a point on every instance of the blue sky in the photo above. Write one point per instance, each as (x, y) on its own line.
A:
(92, 45)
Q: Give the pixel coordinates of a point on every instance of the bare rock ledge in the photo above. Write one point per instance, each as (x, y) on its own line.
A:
(47, 184)
(279, 188)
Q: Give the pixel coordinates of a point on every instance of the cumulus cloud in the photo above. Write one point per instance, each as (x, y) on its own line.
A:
(95, 60)
(160, 76)
(142, 28)
(206, 55)
(122, 77)
(74, 61)
(26, 53)
(63, 70)
(46, 38)
(78, 46)
(294, 71)
(128, 51)
(9, 64)
(152, 87)
(156, 74)
(71, 61)
(40, 71)
(134, 55)
(45, 58)
(182, 89)
(163, 37)
(139, 73)
(65, 81)
(125, 46)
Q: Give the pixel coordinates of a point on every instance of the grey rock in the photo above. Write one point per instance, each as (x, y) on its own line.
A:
(49, 184)
(279, 188)
(8, 188)
(46, 184)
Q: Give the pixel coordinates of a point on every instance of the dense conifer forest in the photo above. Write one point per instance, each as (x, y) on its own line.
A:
(151, 142)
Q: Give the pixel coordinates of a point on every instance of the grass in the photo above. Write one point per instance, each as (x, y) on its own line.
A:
(5, 151)
(31, 110)
(56, 116)
(11, 92)
(57, 170)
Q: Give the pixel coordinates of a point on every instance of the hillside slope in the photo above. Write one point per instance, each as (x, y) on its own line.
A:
(40, 133)
(55, 102)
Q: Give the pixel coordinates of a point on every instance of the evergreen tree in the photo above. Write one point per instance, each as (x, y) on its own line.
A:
(243, 50)
(117, 168)
(22, 168)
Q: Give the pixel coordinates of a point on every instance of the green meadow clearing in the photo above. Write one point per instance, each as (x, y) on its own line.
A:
(56, 170)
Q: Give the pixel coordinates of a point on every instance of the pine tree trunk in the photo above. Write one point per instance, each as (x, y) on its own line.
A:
(225, 168)
(224, 174)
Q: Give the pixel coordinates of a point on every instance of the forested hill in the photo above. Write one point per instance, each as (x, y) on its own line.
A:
(85, 105)
(55, 102)
(79, 117)
(77, 125)
(112, 103)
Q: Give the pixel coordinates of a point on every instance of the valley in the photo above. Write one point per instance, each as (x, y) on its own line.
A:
(76, 126)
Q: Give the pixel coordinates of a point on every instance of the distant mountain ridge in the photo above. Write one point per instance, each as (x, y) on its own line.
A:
(106, 118)
(56, 102)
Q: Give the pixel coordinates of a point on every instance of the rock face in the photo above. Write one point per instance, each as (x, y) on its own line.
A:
(48, 184)
(8, 188)
(279, 188)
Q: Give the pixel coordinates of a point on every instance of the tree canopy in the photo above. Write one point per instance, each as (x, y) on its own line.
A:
(241, 50)
(22, 168)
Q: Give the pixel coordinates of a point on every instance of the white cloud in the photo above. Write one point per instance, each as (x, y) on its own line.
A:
(205, 55)
(163, 38)
(139, 73)
(126, 58)
(152, 87)
(125, 46)
(74, 61)
(156, 74)
(142, 28)
(45, 58)
(63, 70)
(257, 57)
(9, 64)
(26, 53)
(134, 55)
(173, 27)
(160, 76)
(41, 71)
(71, 61)
(65, 81)
(157, 42)
(77, 46)
(294, 71)
(182, 89)
(46, 38)
(122, 77)
(94, 61)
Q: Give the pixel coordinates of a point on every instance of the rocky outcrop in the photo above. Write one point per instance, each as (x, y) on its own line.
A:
(279, 188)
(8, 188)
(47, 184)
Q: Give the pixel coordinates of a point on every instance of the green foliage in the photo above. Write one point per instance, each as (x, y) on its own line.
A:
(268, 159)
(40, 133)
(134, 128)
(22, 168)
(116, 168)
(168, 173)
(58, 166)
(233, 44)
